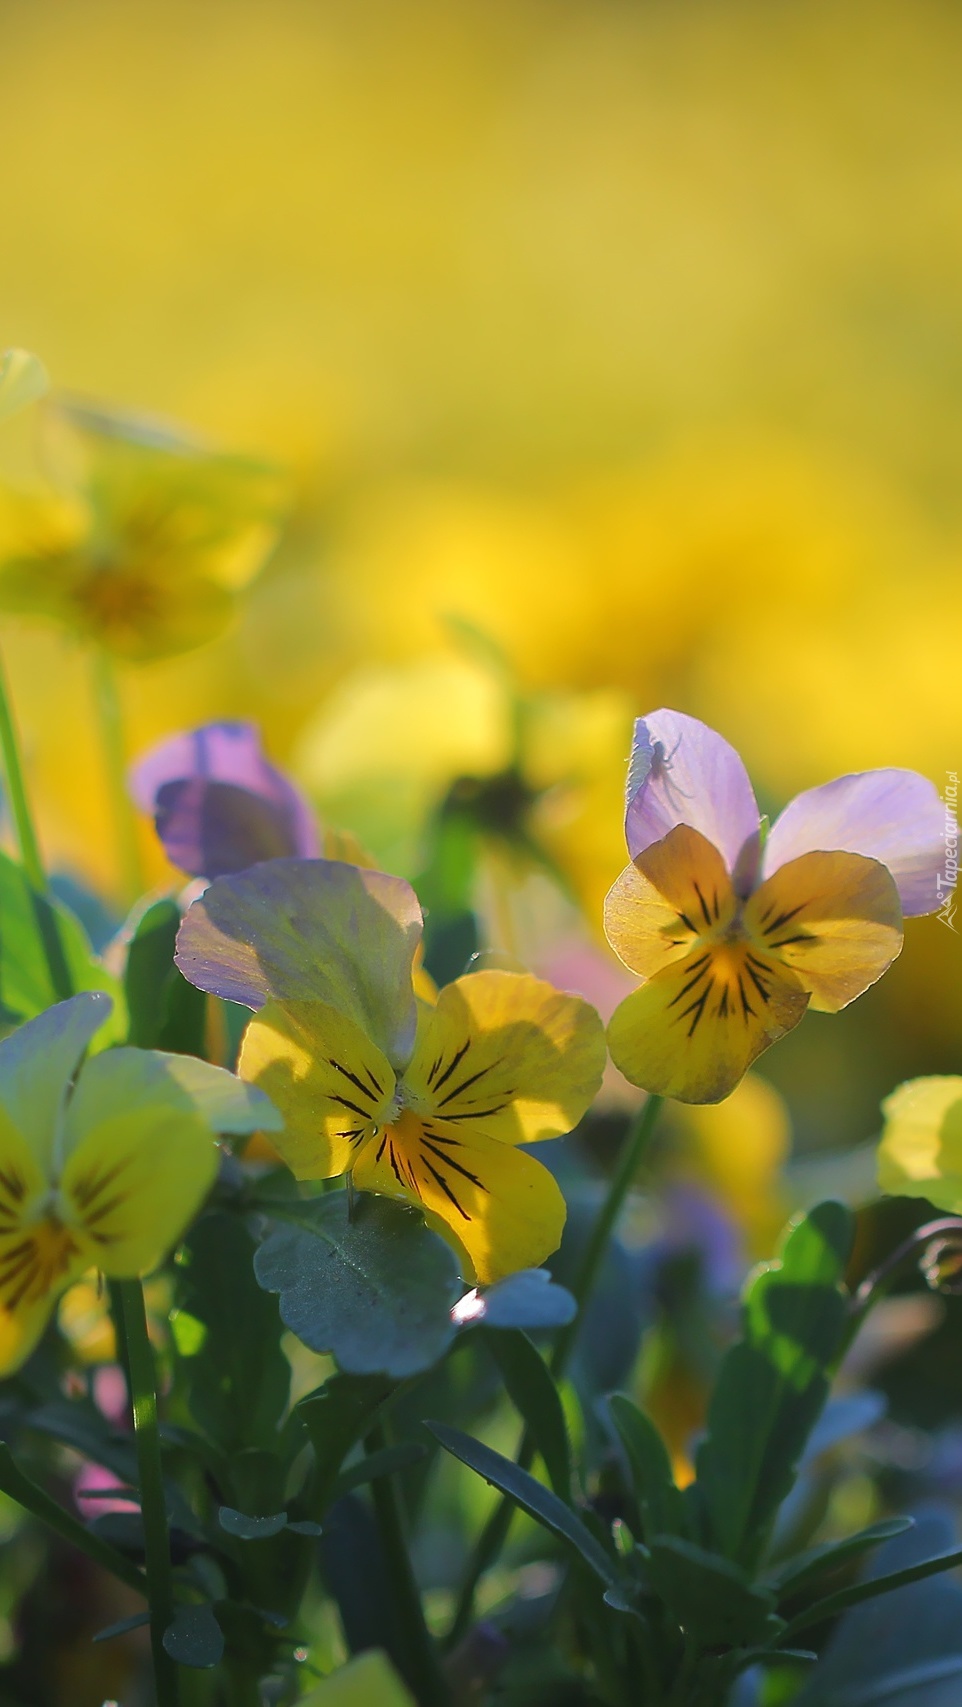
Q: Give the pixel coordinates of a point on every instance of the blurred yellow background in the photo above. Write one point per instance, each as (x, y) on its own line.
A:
(631, 331)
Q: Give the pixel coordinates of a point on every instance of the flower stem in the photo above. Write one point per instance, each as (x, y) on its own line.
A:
(17, 791)
(416, 1643)
(495, 1532)
(110, 717)
(139, 1361)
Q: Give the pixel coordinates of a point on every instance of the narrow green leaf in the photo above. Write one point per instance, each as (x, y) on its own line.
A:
(386, 1462)
(122, 1627)
(336, 1418)
(19, 1487)
(375, 1291)
(538, 1501)
(708, 1596)
(165, 1011)
(772, 1386)
(835, 1603)
(796, 1572)
(45, 957)
(660, 1503)
(534, 1395)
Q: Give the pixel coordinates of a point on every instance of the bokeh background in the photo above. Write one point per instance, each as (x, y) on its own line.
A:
(628, 332)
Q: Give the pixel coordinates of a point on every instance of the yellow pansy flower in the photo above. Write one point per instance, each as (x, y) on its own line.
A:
(735, 934)
(920, 1154)
(144, 538)
(102, 1167)
(424, 1103)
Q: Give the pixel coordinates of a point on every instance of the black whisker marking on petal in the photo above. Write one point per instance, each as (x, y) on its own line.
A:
(358, 1084)
(687, 922)
(19, 1293)
(434, 1068)
(800, 936)
(697, 1008)
(354, 1135)
(451, 1163)
(454, 1062)
(13, 1185)
(721, 1012)
(380, 1150)
(714, 903)
(364, 1113)
(394, 1164)
(107, 1208)
(465, 1085)
(702, 902)
(783, 918)
(760, 987)
(746, 1004)
(379, 1088)
(479, 1113)
(92, 1186)
(440, 1137)
(446, 1189)
(703, 972)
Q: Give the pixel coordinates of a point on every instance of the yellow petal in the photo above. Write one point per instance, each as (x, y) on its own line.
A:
(21, 1327)
(330, 1083)
(504, 1210)
(675, 891)
(694, 1029)
(834, 918)
(139, 1160)
(508, 1055)
(921, 1150)
(23, 378)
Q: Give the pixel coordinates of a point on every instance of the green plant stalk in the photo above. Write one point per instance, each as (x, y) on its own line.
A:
(110, 717)
(17, 791)
(495, 1532)
(417, 1644)
(128, 1296)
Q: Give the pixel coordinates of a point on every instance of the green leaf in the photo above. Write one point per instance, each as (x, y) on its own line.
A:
(336, 1418)
(45, 957)
(772, 1386)
(385, 1462)
(367, 1679)
(19, 1487)
(870, 1588)
(535, 1396)
(122, 1627)
(375, 1291)
(165, 1011)
(238, 1381)
(708, 1596)
(538, 1501)
(195, 1638)
(796, 1572)
(244, 1528)
(660, 1503)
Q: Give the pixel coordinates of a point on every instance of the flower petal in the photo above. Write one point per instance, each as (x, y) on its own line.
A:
(218, 804)
(894, 816)
(505, 1210)
(834, 918)
(675, 891)
(38, 1061)
(921, 1150)
(139, 1160)
(329, 1082)
(694, 1029)
(682, 772)
(310, 930)
(508, 1055)
(22, 1325)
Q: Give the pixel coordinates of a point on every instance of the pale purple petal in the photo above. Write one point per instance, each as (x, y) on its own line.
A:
(218, 804)
(682, 772)
(894, 816)
(310, 930)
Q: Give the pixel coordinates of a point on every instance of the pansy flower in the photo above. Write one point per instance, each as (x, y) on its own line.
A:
(427, 1103)
(143, 540)
(218, 804)
(102, 1165)
(920, 1154)
(734, 933)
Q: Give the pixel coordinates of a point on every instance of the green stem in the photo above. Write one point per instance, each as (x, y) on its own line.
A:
(495, 1532)
(110, 716)
(17, 791)
(139, 1359)
(417, 1647)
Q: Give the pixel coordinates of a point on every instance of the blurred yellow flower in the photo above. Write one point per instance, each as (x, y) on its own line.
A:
(144, 538)
(920, 1154)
